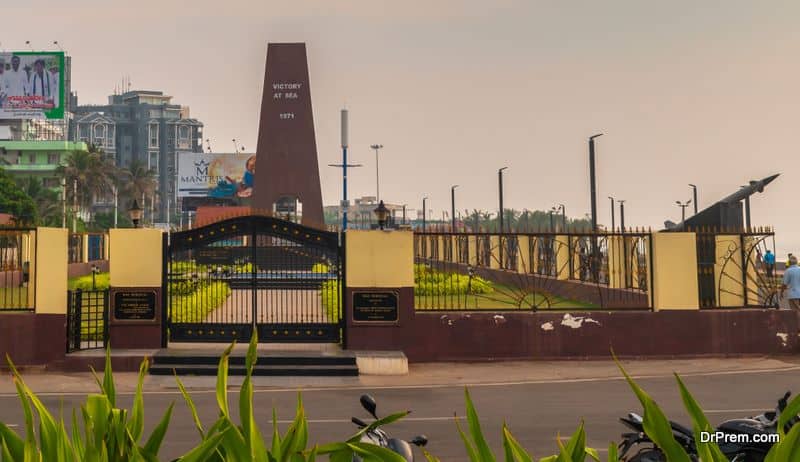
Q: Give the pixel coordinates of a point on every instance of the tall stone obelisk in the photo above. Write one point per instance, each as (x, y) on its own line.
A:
(286, 156)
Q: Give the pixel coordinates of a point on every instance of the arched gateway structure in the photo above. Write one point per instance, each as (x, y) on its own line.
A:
(224, 280)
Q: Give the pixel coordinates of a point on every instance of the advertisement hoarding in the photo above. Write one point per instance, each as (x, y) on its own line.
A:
(32, 85)
(216, 175)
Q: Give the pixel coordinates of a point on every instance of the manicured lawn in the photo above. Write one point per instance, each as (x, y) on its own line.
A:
(501, 298)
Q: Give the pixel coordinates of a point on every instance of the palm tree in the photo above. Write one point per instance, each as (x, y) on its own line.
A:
(138, 182)
(46, 200)
(94, 173)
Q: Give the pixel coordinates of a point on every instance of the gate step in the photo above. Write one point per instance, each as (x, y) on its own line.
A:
(258, 370)
(270, 364)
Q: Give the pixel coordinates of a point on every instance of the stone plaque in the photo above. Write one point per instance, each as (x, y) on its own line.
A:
(214, 256)
(130, 305)
(376, 307)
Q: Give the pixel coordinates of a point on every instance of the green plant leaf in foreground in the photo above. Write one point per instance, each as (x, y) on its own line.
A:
(707, 451)
(656, 425)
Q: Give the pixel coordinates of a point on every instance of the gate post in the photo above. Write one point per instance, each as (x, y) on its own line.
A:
(136, 265)
(379, 289)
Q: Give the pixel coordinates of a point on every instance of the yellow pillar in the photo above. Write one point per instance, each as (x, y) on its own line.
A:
(728, 277)
(494, 246)
(379, 259)
(84, 248)
(674, 269)
(524, 264)
(472, 254)
(137, 257)
(561, 249)
(106, 243)
(49, 270)
(616, 262)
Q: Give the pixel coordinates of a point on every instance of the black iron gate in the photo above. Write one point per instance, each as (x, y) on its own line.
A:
(226, 279)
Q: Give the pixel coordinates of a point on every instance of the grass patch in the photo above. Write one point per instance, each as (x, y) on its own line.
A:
(85, 282)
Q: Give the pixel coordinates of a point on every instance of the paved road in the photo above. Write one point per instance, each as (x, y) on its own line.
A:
(274, 306)
(536, 412)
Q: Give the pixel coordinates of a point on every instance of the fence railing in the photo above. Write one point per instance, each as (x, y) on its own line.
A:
(532, 270)
(87, 326)
(17, 251)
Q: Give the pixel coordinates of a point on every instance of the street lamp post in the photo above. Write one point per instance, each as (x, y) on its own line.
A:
(344, 205)
(563, 217)
(552, 226)
(694, 197)
(453, 207)
(404, 213)
(424, 204)
(500, 188)
(613, 225)
(135, 213)
(377, 147)
(621, 203)
(593, 181)
(683, 206)
(502, 212)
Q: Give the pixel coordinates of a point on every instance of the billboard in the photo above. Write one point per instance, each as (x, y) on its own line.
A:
(32, 85)
(216, 175)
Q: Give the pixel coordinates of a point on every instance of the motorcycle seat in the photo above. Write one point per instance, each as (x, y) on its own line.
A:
(681, 429)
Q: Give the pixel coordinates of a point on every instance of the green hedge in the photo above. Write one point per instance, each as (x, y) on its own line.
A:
(428, 281)
(85, 282)
(195, 305)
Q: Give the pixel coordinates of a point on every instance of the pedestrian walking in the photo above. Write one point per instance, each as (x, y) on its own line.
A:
(769, 263)
(791, 281)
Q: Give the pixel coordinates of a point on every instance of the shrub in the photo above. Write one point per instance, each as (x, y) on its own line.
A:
(428, 281)
(320, 268)
(194, 305)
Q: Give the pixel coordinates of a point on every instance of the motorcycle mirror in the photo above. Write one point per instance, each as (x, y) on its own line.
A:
(368, 403)
(358, 422)
(420, 440)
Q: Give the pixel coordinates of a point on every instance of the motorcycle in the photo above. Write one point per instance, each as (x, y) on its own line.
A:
(737, 450)
(379, 437)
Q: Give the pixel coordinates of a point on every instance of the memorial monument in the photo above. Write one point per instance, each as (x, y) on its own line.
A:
(287, 175)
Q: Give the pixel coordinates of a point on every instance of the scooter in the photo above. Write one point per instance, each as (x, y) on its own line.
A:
(379, 437)
(762, 424)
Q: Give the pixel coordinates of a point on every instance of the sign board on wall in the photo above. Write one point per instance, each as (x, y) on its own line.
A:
(31, 85)
(216, 175)
(376, 307)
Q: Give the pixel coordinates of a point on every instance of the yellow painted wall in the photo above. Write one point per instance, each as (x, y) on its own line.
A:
(136, 257)
(616, 262)
(473, 254)
(379, 258)
(561, 251)
(494, 246)
(50, 270)
(523, 257)
(675, 271)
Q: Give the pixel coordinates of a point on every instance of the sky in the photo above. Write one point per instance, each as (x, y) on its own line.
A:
(684, 92)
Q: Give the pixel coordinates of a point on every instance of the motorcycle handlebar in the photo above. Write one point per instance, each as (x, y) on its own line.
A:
(358, 422)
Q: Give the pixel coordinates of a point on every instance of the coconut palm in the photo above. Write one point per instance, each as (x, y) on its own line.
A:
(47, 201)
(137, 182)
(92, 172)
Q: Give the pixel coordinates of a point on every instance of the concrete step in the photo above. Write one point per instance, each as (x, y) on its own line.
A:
(259, 370)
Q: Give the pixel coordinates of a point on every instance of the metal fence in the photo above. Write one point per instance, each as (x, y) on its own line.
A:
(17, 251)
(532, 270)
(731, 271)
(87, 324)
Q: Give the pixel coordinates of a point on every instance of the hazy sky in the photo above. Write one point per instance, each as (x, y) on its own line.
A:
(685, 91)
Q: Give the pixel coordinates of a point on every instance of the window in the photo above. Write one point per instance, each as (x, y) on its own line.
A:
(53, 158)
(183, 132)
(99, 131)
(153, 135)
(31, 158)
(84, 131)
(152, 161)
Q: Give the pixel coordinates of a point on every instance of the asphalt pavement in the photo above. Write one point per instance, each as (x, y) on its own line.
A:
(537, 407)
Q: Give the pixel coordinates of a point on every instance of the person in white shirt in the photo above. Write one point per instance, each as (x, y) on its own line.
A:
(55, 80)
(40, 83)
(16, 79)
(3, 84)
